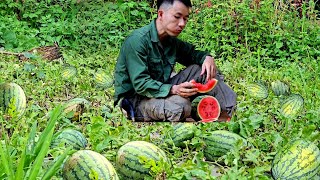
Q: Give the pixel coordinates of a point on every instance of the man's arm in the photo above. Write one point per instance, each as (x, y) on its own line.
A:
(187, 55)
(136, 62)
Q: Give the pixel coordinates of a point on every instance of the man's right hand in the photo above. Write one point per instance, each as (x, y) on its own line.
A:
(185, 89)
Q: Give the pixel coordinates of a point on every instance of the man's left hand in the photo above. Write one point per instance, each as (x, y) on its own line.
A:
(209, 66)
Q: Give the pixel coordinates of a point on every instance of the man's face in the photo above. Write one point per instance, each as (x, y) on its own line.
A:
(175, 18)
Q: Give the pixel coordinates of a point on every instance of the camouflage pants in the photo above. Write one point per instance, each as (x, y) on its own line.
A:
(176, 108)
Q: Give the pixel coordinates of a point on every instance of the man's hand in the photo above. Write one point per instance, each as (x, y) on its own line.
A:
(185, 89)
(209, 66)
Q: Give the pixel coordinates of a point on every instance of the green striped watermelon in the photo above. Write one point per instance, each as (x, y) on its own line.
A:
(88, 165)
(299, 159)
(75, 107)
(258, 90)
(279, 88)
(70, 137)
(292, 105)
(220, 142)
(12, 99)
(68, 72)
(205, 108)
(128, 160)
(182, 132)
(103, 79)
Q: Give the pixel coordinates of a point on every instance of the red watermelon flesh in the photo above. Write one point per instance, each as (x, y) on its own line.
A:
(208, 109)
(203, 88)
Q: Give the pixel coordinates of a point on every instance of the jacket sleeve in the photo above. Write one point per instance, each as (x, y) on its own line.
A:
(136, 62)
(187, 54)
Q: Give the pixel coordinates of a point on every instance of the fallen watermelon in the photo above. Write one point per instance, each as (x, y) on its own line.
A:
(205, 108)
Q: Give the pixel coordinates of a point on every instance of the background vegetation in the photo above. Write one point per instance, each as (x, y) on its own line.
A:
(251, 41)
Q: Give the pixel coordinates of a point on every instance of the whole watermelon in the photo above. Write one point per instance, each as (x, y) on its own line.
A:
(299, 159)
(128, 161)
(292, 106)
(12, 99)
(182, 132)
(70, 137)
(258, 90)
(87, 165)
(219, 143)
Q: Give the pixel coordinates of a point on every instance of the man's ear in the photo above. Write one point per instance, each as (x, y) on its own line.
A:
(160, 13)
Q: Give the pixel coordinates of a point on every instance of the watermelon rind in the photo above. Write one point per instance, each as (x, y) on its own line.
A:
(182, 132)
(12, 98)
(219, 143)
(128, 159)
(258, 90)
(88, 165)
(69, 137)
(298, 159)
(292, 106)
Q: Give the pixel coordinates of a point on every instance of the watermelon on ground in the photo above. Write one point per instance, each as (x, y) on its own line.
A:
(130, 156)
(88, 165)
(258, 90)
(279, 88)
(68, 72)
(69, 137)
(292, 106)
(299, 159)
(220, 142)
(75, 107)
(12, 99)
(182, 132)
(103, 79)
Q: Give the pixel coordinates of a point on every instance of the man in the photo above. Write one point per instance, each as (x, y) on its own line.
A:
(143, 82)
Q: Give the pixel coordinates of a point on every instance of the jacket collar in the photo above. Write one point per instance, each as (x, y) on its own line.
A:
(154, 32)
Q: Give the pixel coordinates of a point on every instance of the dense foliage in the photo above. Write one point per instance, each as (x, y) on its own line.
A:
(252, 41)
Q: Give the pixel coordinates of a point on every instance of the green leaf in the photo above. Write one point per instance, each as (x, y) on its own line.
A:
(279, 45)
(56, 166)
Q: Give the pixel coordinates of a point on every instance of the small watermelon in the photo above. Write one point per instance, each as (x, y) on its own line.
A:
(279, 88)
(205, 108)
(182, 132)
(292, 106)
(12, 99)
(68, 72)
(70, 137)
(219, 143)
(87, 165)
(258, 90)
(204, 88)
(128, 160)
(299, 159)
(76, 107)
(103, 79)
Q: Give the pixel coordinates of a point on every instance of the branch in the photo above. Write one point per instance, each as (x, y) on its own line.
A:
(11, 53)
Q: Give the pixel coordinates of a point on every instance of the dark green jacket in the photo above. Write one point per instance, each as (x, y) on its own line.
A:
(144, 64)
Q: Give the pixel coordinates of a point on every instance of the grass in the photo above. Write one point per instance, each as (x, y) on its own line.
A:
(270, 48)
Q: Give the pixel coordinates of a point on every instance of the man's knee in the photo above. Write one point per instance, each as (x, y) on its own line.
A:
(177, 107)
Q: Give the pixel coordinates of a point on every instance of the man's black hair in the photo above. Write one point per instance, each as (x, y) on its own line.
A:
(185, 2)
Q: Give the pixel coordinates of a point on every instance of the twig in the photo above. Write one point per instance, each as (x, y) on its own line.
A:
(11, 53)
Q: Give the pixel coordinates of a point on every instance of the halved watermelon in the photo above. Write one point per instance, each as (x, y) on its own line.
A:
(205, 108)
(204, 88)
